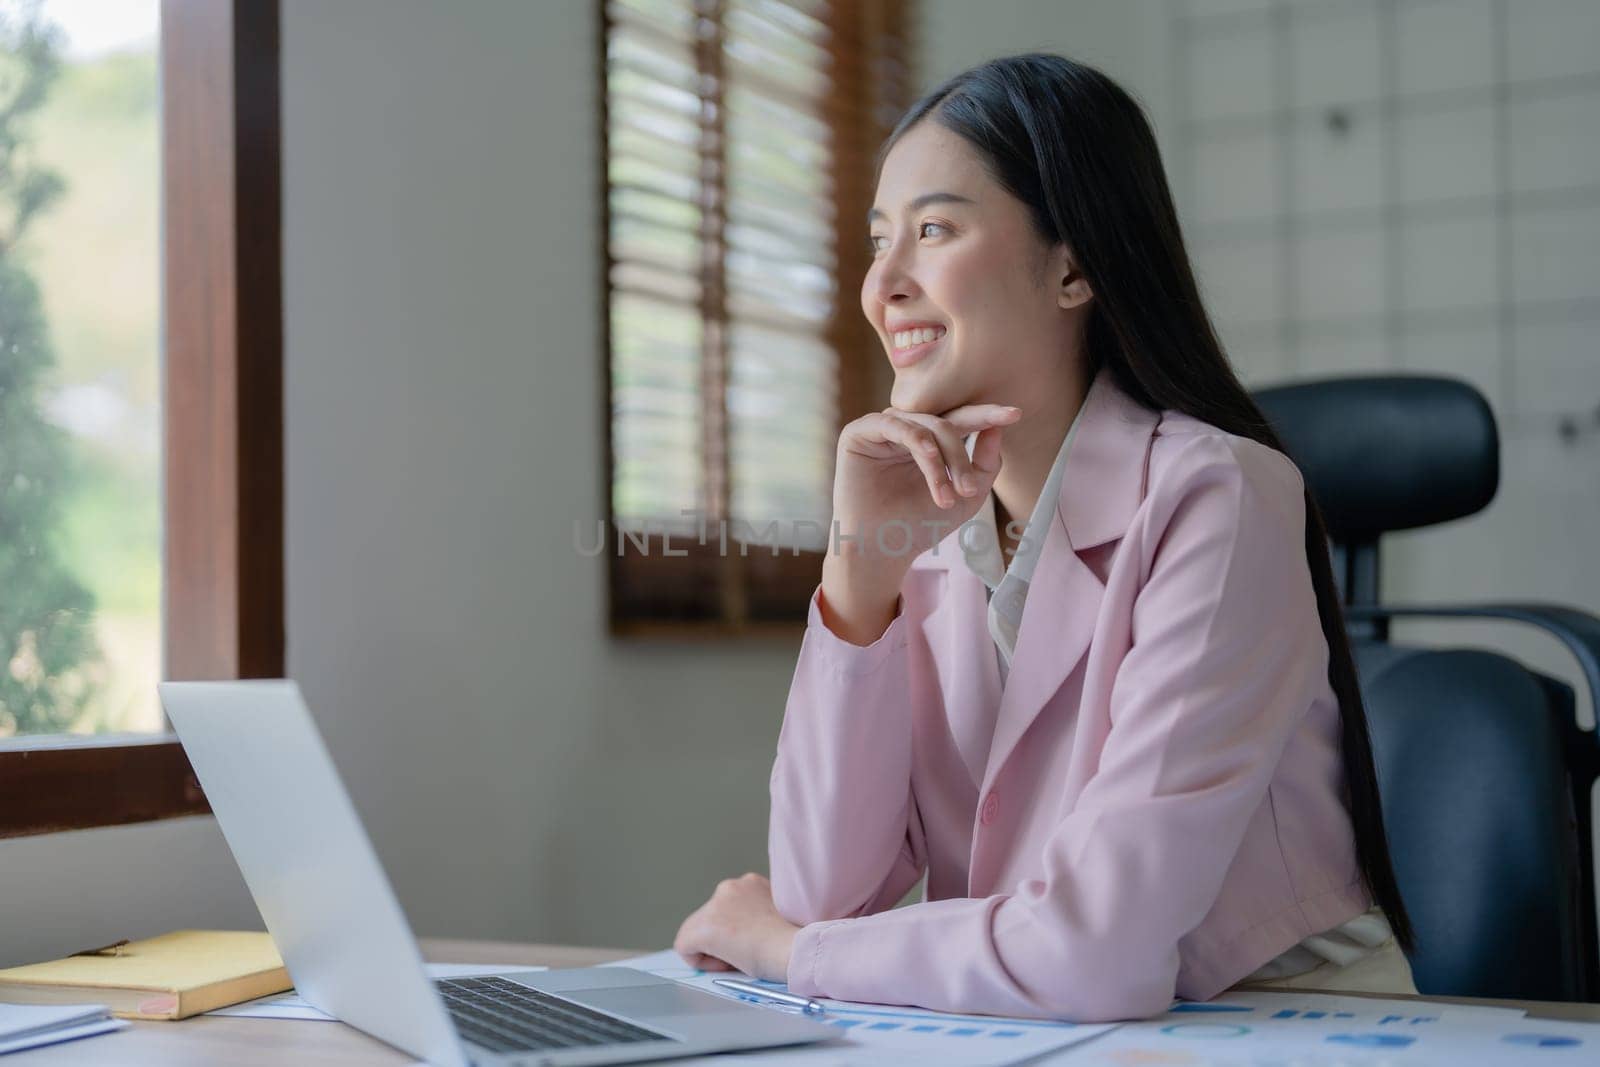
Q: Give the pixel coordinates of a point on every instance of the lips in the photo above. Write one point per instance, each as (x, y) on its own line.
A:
(905, 357)
(911, 342)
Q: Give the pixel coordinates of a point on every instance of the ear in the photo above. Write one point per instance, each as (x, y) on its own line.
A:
(1074, 290)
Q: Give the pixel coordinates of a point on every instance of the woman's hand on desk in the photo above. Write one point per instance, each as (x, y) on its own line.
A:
(738, 929)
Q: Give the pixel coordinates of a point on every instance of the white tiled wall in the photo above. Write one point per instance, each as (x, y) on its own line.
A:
(1334, 60)
(1551, 38)
(1414, 186)
(1333, 173)
(1449, 264)
(1237, 177)
(1556, 255)
(1555, 142)
(1447, 46)
(1233, 73)
(1446, 153)
(1327, 289)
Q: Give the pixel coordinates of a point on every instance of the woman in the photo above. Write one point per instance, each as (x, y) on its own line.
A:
(1090, 678)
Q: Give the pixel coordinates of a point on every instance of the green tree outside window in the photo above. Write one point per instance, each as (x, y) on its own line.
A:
(46, 612)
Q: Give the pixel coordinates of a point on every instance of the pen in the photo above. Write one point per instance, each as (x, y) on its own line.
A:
(806, 1005)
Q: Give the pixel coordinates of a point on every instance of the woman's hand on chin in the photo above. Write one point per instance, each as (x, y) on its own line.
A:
(902, 480)
(738, 929)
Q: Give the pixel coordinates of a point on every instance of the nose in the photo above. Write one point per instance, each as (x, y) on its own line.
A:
(890, 280)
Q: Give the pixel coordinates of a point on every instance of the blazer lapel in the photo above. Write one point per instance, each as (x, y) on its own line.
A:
(957, 630)
(1058, 619)
(1101, 488)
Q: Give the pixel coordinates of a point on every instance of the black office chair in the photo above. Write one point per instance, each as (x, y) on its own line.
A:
(1485, 776)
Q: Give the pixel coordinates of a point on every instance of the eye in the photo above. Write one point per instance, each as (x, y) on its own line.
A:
(874, 247)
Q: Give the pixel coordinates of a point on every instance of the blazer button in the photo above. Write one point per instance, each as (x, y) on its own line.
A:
(991, 808)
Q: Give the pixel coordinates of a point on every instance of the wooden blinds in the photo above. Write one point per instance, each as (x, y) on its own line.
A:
(739, 138)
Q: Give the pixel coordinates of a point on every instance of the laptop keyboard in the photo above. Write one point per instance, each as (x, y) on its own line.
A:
(502, 1016)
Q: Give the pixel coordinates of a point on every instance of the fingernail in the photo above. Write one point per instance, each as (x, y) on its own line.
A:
(969, 484)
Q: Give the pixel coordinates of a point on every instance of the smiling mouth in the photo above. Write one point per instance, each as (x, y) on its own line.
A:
(909, 346)
(905, 339)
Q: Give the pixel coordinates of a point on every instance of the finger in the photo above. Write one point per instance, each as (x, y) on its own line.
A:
(952, 449)
(986, 454)
(923, 446)
(681, 943)
(701, 961)
(874, 437)
(970, 418)
(690, 935)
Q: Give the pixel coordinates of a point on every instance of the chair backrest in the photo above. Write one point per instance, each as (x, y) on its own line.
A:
(1474, 752)
(1481, 826)
(1386, 453)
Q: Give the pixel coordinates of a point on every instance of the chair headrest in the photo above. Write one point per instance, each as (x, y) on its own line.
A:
(1389, 452)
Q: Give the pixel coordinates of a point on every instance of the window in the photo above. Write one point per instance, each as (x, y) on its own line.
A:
(207, 545)
(80, 456)
(739, 139)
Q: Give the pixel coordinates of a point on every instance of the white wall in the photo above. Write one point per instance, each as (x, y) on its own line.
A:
(62, 893)
(522, 774)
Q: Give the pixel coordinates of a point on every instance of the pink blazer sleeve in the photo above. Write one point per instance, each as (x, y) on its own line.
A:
(1226, 658)
(842, 837)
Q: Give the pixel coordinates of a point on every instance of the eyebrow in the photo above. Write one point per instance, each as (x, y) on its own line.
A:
(923, 201)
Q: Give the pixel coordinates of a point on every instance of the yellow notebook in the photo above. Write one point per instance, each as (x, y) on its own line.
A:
(172, 976)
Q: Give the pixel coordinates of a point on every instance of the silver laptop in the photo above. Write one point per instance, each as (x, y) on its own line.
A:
(330, 909)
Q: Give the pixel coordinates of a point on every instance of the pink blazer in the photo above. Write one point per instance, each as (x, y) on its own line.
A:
(1152, 806)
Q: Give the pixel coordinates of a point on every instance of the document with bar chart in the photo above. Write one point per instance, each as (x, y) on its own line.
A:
(879, 1034)
(1309, 1029)
(1257, 1029)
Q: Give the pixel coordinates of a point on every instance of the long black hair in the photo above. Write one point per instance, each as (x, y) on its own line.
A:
(1077, 150)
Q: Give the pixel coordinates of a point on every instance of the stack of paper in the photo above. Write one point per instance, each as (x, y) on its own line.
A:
(29, 1026)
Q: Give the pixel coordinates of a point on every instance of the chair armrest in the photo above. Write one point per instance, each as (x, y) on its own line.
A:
(1578, 631)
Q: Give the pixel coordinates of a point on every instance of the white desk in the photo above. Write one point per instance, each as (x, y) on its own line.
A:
(212, 1040)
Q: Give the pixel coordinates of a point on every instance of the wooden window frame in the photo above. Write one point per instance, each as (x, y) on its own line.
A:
(704, 591)
(223, 612)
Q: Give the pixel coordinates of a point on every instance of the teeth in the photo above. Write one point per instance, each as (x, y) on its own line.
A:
(907, 338)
